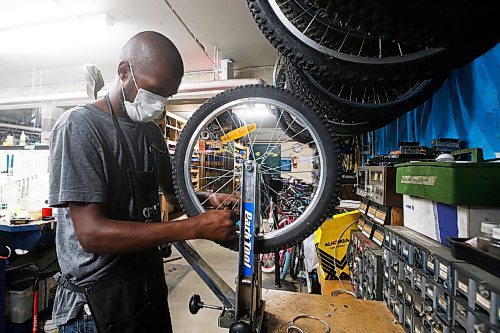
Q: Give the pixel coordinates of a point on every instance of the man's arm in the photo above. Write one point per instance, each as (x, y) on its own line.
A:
(99, 234)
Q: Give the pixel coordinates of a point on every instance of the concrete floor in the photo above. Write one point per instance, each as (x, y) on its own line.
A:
(224, 262)
(183, 282)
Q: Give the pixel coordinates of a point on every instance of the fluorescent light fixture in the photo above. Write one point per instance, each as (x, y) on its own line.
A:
(53, 33)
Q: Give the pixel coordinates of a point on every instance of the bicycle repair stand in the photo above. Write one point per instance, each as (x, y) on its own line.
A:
(243, 310)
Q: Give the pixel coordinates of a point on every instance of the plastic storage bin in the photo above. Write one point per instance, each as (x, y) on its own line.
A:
(469, 184)
(19, 303)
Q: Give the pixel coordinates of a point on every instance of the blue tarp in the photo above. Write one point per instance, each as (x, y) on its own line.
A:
(467, 107)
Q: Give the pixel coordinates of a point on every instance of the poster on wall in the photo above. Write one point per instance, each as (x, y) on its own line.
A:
(286, 164)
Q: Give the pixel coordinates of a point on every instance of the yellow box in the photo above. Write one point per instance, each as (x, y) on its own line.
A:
(326, 239)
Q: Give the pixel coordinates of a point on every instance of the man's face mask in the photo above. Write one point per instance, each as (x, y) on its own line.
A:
(146, 107)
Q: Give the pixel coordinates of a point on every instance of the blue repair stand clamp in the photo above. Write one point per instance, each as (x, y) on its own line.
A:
(243, 310)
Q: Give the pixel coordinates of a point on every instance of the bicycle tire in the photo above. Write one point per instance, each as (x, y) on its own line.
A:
(420, 65)
(325, 194)
(404, 97)
(292, 129)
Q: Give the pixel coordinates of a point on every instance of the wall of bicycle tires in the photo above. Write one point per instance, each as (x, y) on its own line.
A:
(467, 106)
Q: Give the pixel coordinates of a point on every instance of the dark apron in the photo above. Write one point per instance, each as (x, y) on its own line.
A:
(132, 298)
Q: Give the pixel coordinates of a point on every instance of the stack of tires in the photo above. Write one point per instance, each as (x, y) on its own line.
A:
(364, 63)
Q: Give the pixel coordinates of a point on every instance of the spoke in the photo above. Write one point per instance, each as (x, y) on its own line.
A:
(345, 38)
(386, 96)
(211, 168)
(255, 139)
(213, 181)
(400, 51)
(270, 188)
(219, 155)
(362, 44)
(250, 146)
(380, 47)
(303, 144)
(220, 188)
(290, 173)
(324, 34)
(272, 135)
(278, 167)
(312, 20)
(341, 88)
(215, 177)
(223, 131)
(280, 143)
(300, 15)
(284, 3)
(223, 202)
(268, 152)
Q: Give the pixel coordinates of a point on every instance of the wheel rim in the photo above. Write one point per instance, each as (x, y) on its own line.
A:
(334, 27)
(276, 109)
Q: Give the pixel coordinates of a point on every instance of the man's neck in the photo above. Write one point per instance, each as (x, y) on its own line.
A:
(114, 98)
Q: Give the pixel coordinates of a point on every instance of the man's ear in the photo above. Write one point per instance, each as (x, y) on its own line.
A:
(123, 70)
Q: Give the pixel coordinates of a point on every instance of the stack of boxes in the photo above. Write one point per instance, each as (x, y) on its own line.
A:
(428, 290)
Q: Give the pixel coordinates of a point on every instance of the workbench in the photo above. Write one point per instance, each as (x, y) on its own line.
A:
(343, 313)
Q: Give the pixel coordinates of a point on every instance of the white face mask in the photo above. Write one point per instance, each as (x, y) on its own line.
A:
(146, 107)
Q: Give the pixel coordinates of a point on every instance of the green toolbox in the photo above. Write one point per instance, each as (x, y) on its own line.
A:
(468, 183)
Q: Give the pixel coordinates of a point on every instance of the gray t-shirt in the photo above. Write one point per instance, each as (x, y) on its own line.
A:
(87, 165)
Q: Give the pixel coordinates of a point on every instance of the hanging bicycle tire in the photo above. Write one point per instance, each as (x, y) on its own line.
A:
(324, 46)
(361, 101)
(470, 26)
(286, 122)
(254, 112)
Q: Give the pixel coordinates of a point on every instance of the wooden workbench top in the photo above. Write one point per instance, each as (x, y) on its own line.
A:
(343, 313)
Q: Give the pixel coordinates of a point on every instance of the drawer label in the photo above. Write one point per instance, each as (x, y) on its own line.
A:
(484, 302)
(443, 271)
(463, 287)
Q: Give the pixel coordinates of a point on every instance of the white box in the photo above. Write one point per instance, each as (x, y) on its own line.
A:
(438, 221)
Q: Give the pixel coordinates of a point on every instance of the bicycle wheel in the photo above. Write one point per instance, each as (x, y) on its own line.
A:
(217, 164)
(361, 101)
(323, 45)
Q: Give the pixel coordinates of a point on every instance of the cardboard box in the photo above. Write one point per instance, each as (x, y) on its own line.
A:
(438, 220)
(329, 253)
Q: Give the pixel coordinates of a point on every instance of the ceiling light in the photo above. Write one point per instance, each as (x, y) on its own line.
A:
(53, 33)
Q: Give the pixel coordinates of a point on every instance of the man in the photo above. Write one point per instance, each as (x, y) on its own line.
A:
(107, 160)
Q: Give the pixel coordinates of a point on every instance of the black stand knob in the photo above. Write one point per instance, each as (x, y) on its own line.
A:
(240, 327)
(166, 250)
(195, 304)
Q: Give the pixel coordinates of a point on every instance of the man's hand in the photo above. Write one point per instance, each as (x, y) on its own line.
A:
(217, 225)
